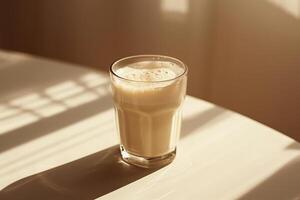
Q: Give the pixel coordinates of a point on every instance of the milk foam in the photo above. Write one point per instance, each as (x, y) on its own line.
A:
(150, 71)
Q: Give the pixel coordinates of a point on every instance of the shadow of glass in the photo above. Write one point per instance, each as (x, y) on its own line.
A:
(86, 178)
(283, 184)
(194, 122)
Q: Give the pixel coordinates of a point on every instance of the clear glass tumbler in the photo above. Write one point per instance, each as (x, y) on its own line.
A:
(148, 93)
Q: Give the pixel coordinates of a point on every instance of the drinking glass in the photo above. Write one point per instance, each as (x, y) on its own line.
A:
(148, 109)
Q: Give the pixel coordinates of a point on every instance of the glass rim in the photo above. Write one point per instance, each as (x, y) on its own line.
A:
(171, 59)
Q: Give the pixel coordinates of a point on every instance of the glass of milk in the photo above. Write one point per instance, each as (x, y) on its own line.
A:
(148, 93)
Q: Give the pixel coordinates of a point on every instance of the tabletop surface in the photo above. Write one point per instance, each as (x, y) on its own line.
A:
(58, 140)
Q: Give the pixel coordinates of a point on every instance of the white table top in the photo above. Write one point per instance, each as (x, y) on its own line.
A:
(58, 141)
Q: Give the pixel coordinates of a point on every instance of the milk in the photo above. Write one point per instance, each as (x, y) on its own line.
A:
(148, 96)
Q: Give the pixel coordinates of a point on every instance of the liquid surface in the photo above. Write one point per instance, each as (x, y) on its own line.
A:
(148, 71)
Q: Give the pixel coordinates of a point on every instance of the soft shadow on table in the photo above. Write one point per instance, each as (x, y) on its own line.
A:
(294, 146)
(25, 75)
(47, 125)
(86, 178)
(283, 184)
(192, 123)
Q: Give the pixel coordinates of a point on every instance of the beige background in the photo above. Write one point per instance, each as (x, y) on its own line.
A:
(243, 55)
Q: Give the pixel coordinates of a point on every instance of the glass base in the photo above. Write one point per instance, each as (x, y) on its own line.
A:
(147, 162)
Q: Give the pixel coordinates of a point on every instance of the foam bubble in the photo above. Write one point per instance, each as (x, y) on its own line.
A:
(150, 71)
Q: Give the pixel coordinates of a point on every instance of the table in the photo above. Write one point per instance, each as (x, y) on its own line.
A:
(58, 141)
